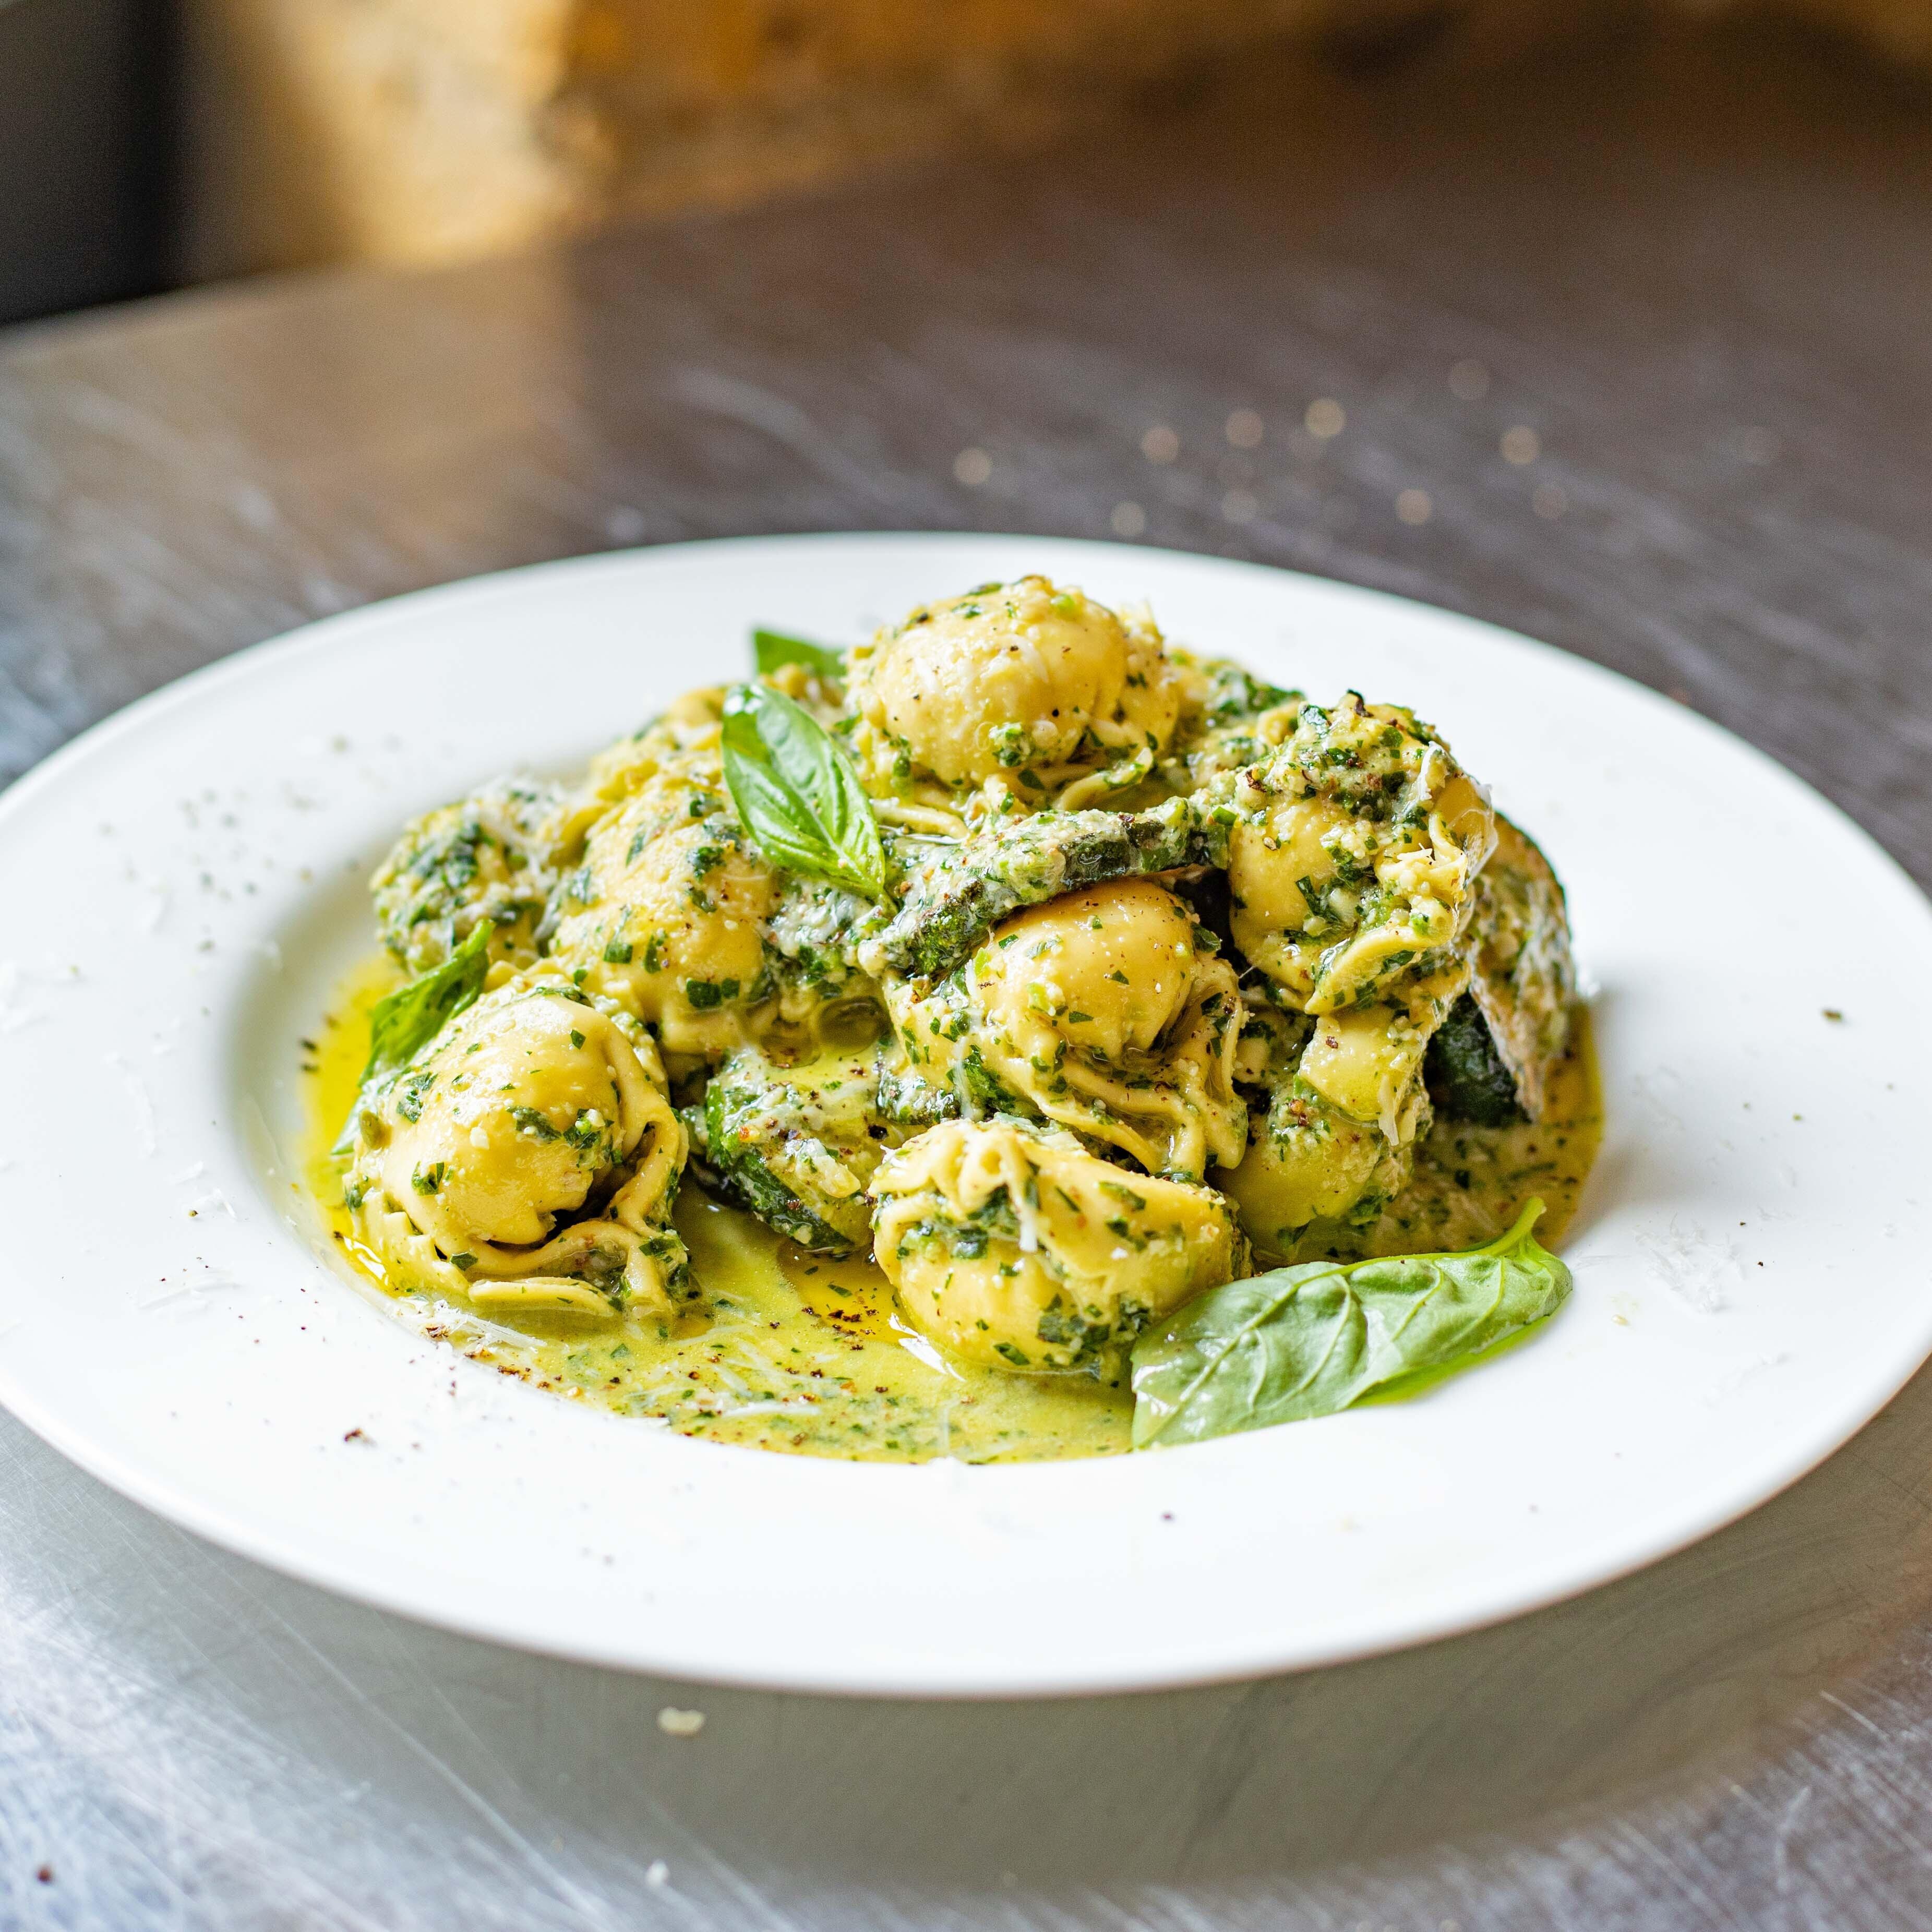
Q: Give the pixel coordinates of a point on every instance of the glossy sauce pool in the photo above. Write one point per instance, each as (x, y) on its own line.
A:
(810, 1356)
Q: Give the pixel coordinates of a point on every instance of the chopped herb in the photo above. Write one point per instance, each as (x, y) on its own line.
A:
(410, 1094)
(1010, 745)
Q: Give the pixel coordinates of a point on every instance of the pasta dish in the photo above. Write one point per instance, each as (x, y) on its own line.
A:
(1015, 1036)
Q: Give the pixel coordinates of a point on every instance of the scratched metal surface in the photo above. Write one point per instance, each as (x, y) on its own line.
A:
(1701, 275)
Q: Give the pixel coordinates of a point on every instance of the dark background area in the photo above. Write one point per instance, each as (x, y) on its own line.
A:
(85, 146)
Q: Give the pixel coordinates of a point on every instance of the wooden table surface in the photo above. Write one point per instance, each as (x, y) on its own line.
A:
(1699, 273)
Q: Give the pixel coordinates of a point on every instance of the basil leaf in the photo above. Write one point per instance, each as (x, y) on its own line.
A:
(404, 1021)
(770, 648)
(1311, 1340)
(796, 792)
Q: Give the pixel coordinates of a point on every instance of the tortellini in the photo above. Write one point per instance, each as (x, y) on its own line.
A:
(1338, 1137)
(1353, 868)
(1342, 1120)
(1010, 1245)
(1026, 683)
(488, 857)
(665, 915)
(1103, 1010)
(526, 1109)
(1352, 874)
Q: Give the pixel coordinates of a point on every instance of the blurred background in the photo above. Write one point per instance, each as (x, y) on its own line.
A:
(147, 144)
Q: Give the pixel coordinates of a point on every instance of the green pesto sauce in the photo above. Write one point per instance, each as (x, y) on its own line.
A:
(810, 1356)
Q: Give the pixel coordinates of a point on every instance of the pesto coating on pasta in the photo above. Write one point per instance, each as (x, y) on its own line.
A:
(1057, 969)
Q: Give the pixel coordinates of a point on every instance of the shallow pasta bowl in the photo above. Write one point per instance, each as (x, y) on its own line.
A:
(186, 887)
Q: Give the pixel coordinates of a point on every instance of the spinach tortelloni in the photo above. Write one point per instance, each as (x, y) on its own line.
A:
(1037, 694)
(527, 1109)
(1103, 1010)
(1012, 1247)
(1353, 876)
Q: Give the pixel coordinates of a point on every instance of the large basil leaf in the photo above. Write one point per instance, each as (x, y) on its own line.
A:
(770, 648)
(1309, 1340)
(796, 792)
(404, 1021)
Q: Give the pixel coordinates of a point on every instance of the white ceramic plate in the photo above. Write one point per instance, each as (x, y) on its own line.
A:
(184, 884)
